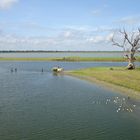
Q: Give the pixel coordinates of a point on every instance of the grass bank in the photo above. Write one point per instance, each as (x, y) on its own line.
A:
(117, 78)
(69, 59)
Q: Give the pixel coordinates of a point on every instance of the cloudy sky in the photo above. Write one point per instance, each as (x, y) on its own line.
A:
(65, 24)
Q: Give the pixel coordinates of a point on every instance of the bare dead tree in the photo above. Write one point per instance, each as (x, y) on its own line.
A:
(130, 44)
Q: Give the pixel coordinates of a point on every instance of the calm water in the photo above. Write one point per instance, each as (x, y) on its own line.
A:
(61, 54)
(43, 106)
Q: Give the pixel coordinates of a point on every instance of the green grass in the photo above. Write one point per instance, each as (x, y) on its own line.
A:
(118, 76)
(91, 59)
(69, 59)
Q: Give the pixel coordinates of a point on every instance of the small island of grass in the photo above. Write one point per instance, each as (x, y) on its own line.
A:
(116, 78)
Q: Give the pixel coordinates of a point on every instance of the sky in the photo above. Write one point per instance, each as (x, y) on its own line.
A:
(65, 25)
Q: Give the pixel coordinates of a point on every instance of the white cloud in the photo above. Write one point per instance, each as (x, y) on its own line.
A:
(129, 20)
(67, 34)
(5, 4)
(109, 37)
(96, 39)
(72, 38)
(100, 38)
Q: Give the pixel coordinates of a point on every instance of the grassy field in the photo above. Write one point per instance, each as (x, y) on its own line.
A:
(128, 79)
(69, 59)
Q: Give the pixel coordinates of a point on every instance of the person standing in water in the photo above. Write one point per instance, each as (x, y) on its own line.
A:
(42, 70)
(12, 70)
(15, 69)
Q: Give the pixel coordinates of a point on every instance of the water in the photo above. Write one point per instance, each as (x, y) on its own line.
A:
(63, 54)
(39, 106)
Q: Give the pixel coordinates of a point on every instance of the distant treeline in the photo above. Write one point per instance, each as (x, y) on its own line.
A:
(42, 51)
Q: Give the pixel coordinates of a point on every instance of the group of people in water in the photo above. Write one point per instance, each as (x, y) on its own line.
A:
(55, 69)
(15, 70)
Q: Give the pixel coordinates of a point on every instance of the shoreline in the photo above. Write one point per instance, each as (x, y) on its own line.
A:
(68, 59)
(112, 87)
(8, 51)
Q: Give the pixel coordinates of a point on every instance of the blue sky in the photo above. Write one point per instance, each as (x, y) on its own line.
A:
(65, 24)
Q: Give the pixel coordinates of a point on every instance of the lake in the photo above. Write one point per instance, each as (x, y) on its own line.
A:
(62, 54)
(45, 106)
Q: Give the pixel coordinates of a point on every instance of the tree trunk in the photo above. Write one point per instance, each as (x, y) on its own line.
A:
(131, 65)
(131, 59)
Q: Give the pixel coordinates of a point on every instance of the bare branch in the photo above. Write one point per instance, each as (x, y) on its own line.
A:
(126, 37)
(116, 43)
(132, 37)
(139, 30)
(137, 47)
(136, 40)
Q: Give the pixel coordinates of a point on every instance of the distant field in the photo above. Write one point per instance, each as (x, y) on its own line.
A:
(112, 59)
